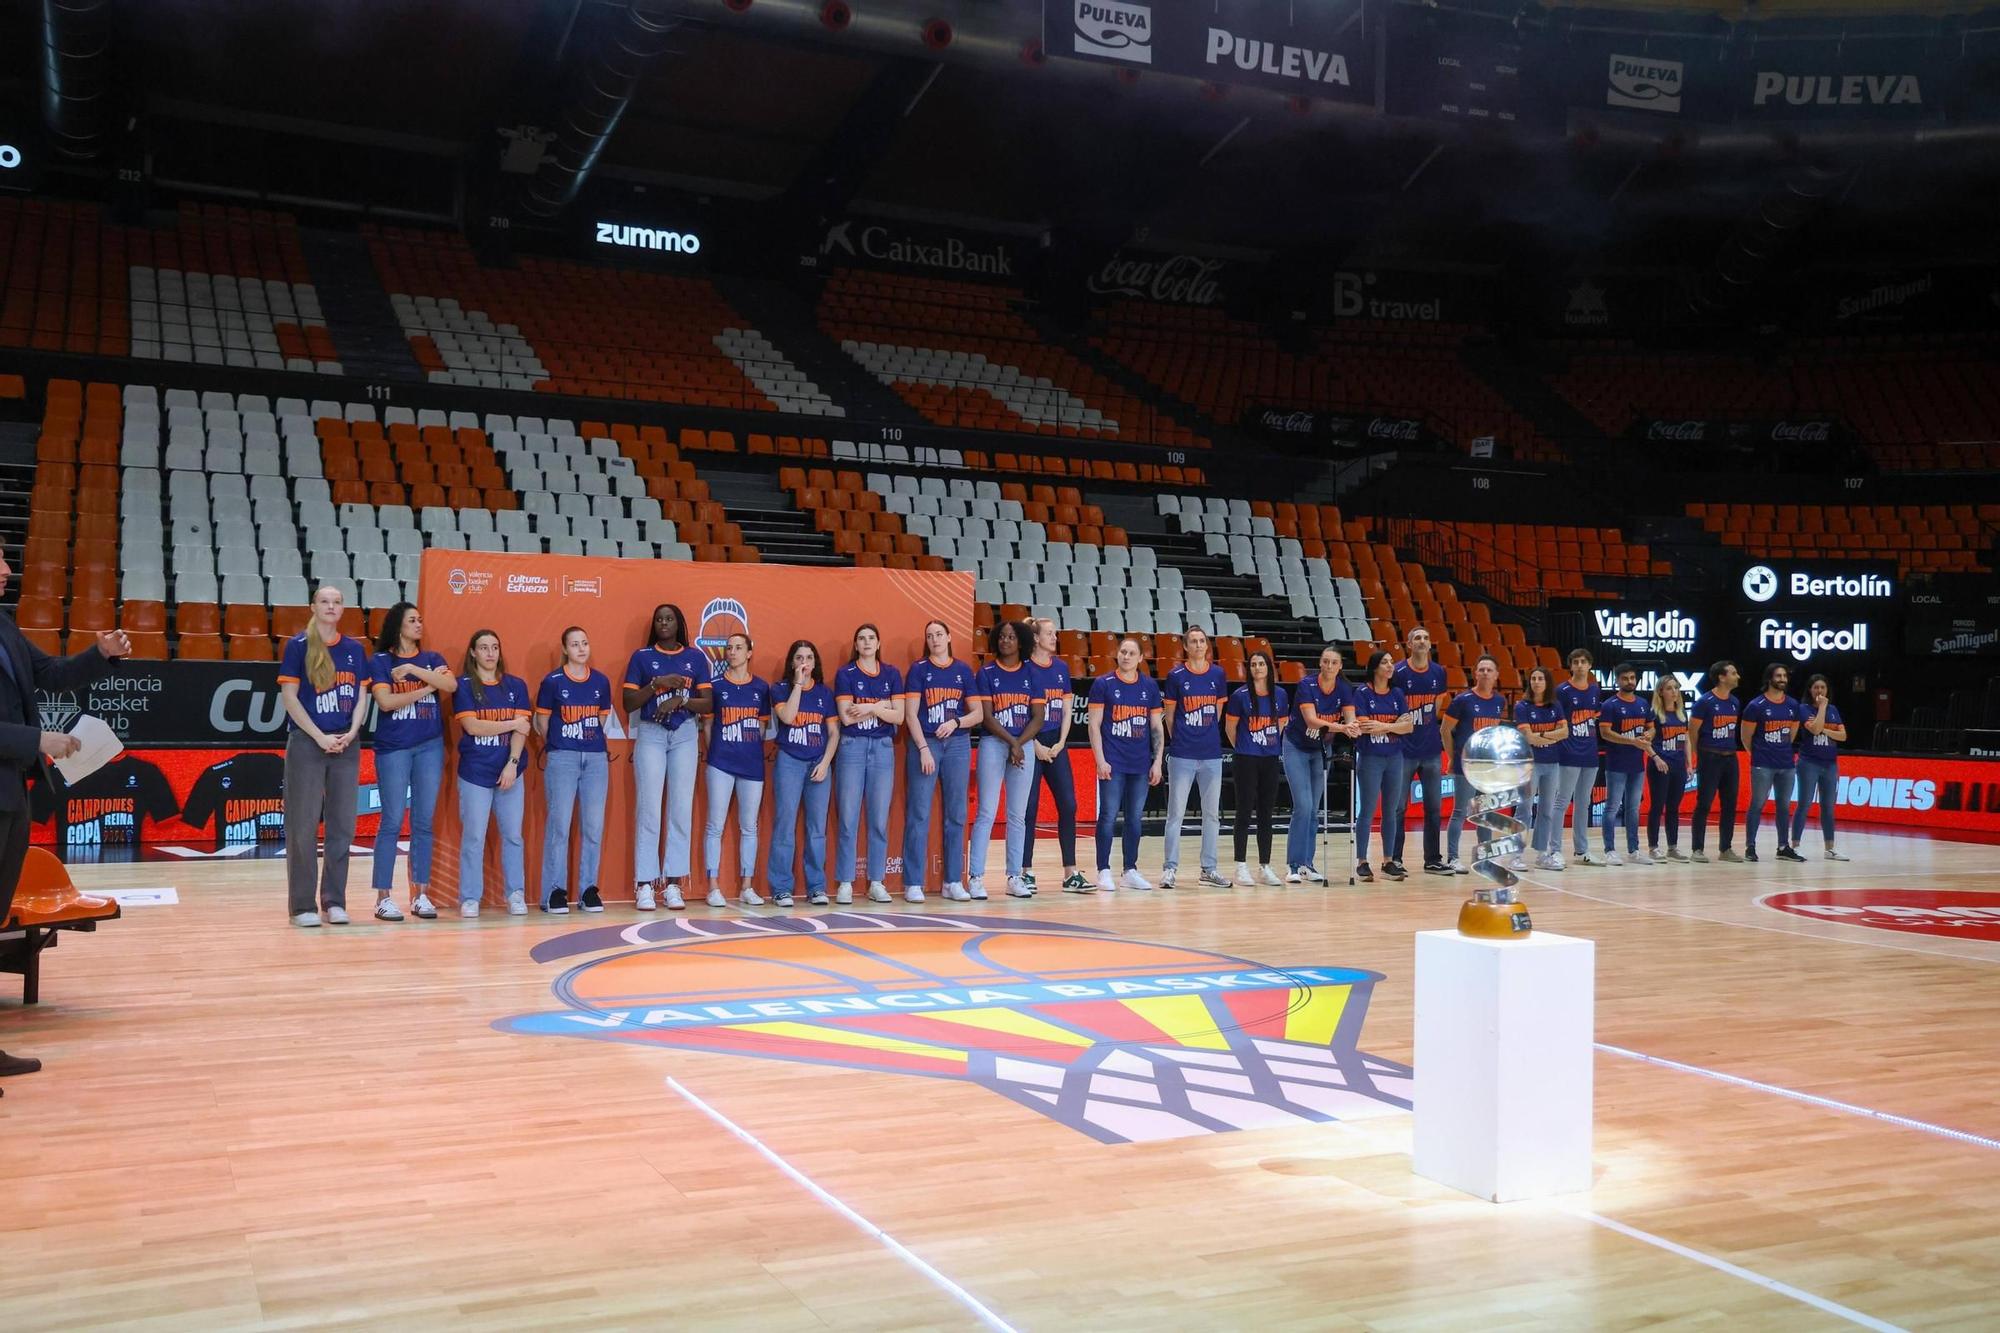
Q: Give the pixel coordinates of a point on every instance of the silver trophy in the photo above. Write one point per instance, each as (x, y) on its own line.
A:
(1497, 762)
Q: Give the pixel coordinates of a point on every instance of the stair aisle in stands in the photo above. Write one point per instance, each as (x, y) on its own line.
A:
(769, 520)
(371, 344)
(788, 321)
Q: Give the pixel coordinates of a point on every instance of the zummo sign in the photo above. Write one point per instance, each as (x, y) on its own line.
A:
(648, 238)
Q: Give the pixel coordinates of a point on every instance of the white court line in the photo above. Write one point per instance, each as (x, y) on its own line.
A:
(895, 1247)
(1813, 1099)
(1833, 1308)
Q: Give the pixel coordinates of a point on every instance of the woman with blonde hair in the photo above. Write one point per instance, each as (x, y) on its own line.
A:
(320, 681)
(1667, 774)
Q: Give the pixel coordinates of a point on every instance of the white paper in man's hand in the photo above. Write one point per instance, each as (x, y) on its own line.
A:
(100, 746)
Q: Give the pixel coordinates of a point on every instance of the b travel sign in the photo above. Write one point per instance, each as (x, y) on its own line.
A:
(1313, 51)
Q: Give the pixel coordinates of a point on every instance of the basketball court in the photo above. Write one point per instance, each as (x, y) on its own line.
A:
(1181, 1109)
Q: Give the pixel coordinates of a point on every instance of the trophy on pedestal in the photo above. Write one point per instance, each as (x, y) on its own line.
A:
(1496, 762)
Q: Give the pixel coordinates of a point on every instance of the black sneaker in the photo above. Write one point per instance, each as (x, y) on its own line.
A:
(1789, 854)
(1750, 853)
(591, 902)
(558, 903)
(1436, 868)
(1394, 870)
(1364, 874)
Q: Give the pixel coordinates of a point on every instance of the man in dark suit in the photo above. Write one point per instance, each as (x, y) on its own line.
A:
(24, 746)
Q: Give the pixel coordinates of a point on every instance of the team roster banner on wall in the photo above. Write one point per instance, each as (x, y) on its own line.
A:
(1307, 50)
(530, 599)
(204, 796)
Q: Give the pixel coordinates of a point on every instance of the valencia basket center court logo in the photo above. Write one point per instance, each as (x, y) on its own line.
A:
(1123, 1040)
(1964, 914)
(722, 617)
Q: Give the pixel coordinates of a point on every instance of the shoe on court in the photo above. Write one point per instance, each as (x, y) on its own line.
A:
(1457, 866)
(1311, 872)
(1749, 854)
(955, 892)
(336, 916)
(781, 900)
(750, 897)
(1641, 859)
(1028, 879)
(1394, 870)
(1437, 868)
(517, 904)
(1789, 854)
(591, 901)
(642, 898)
(913, 894)
(1364, 874)
(976, 891)
(675, 903)
(1078, 884)
(1832, 855)
(310, 920)
(469, 908)
(715, 898)
(1134, 880)
(1292, 875)
(1699, 857)
(1243, 875)
(386, 910)
(1517, 864)
(421, 908)
(558, 903)
(1586, 857)
(1675, 854)
(844, 894)
(1549, 861)
(1612, 858)
(1167, 876)
(817, 898)
(1269, 876)
(1210, 880)
(878, 892)
(1016, 888)
(1105, 882)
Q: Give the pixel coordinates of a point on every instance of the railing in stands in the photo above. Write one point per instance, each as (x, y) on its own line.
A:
(1470, 561)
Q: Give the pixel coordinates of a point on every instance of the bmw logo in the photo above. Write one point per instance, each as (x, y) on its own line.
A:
(1760, 583)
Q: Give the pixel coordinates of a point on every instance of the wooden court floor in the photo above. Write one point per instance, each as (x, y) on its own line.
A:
(244, 1125)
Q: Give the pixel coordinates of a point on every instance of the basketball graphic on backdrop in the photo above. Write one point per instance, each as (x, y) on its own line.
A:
(722, 617)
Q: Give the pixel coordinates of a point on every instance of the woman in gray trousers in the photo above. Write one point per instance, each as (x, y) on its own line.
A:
(321, 681)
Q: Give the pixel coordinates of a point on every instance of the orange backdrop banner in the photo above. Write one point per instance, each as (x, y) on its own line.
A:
(529, 599)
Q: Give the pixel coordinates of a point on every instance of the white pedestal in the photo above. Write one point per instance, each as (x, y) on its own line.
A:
(1504, 1063)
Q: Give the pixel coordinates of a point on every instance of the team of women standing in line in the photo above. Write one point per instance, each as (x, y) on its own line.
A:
(831, 751)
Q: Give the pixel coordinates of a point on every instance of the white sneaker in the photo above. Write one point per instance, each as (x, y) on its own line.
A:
(878, 892)
(1832, 855)
(1312, 875)
(1243, 875)
(844, 894)
(1292, 875)
(1517, 864)
(1167, 876)
(976, 891)
(517, 904)
(1458, 866)
(675, 903)
(469, 908)
(749, 898)
(955, 892)
(422, 909)
(715, 898)
(306, 919)
(336, 916)
(1640, 859)
(913, 894)
(1612, 858)
(1106, 883)
(1016, 889)
(386, 910)
(1269, 876)
(1587, 858)
(642, 899)
(1549, 861)
(1134, 880)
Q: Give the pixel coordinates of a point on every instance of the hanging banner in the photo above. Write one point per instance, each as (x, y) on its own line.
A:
(1704, 430)
(915, 248)
(1306, 425)
(1314, 51)
(177, 703)
(1835, 77)
(1179, 279)
(1453, 66)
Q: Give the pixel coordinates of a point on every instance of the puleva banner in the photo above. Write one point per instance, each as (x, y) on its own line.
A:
(530, 599)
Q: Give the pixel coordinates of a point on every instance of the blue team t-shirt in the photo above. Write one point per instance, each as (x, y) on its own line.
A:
(1387, 707)
(1126, 730)
(1542, 720)
(1579, 709)
(1820, 749)
(1198, 698)
(1471, 713)
(576, 710)
(480, 758)
(1719, 720)
(1327, 703)
(938, 693)
(1625, 717)
(1670, 742)
(1424, 691)
(1778, 726)
(1010, 695)
(1055, 685)
(805, 737)
(1260, 720)
(422, 721)
(736, 736)
(332, 709)
(649, 662)
(852, 683)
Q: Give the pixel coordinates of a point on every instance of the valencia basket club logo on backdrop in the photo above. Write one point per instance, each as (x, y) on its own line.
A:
(722, 617)
(1122, 1040)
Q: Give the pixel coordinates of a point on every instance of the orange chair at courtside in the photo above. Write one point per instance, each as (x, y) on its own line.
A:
(45, 902)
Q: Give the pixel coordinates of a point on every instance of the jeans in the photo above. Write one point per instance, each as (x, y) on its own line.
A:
(995, 773)
(1061, 779)
(1431, 771)
(1575, 790)
(408, 780)
(749, 794)
(1378, 779)
(1621, 806)
(319, 787)
(864, 765)
(570, 777)
(1462, 794)
(1538, 803)
(1717, 775)
(1664, 792)
(952, 758)
(1181, 775)
(1822, 780)
(1256, 779)
(791, 787)
(1305, 774)
(476, 805)
(1120, 793)
(1778, 782)
(664, 761)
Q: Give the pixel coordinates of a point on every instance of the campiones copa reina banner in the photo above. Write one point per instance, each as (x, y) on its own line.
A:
(530, 599)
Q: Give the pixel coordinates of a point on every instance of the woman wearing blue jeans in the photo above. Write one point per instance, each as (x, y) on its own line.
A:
(491, 709)
(1013, 701)
(869, 693)
(409, 754)
(801, 774)
(1321, 709)
(1128, 741)
(1819, 764)
(1542, 723)
(1382, 718)
(941, 714)
(570, 712)
(736, 739)
(666, 689)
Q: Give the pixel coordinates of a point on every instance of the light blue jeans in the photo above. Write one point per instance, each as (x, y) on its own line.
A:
(1774, 782)
(1378, 779)
(952, 757)
(1622, 795)
(1205, 774)
(408, 780)
(996, 774)
(476, 806)
(749, 794)
(791, 787)
(1575, 790)
(864, 766)
(664, 762)
(1539, 807)
(570, 776)
(1305, 774)
(1822, 780)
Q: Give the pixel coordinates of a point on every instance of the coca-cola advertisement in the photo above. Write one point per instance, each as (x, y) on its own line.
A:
(1686, 431)
(1738, 434)
(1181, 279)
(1307, 424)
